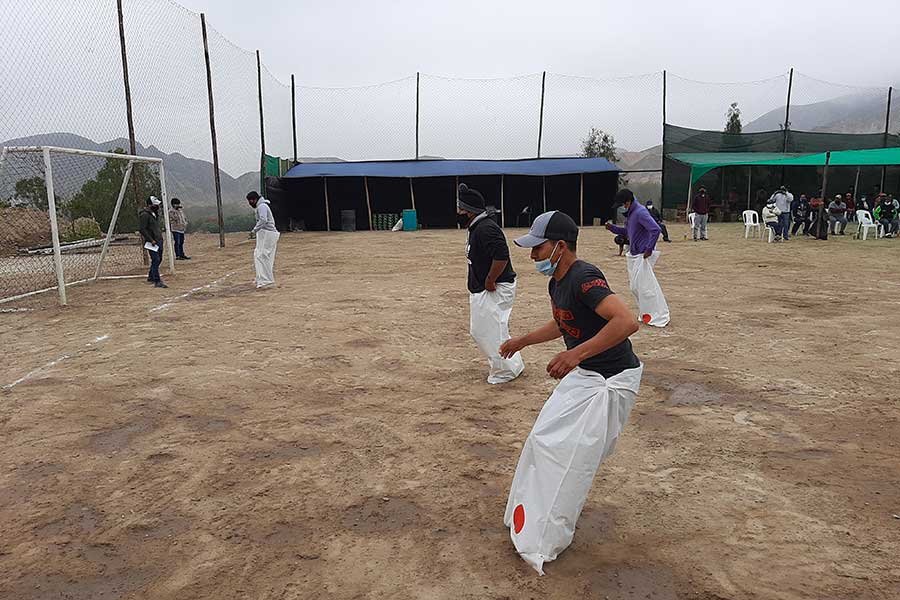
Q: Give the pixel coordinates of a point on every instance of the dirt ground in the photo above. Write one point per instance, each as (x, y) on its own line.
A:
(334, 437)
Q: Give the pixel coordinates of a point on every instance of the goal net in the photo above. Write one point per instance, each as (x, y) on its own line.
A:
(70, 216)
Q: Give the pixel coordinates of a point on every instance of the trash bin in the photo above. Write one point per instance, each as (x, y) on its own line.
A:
(410, 221)
(348, 220)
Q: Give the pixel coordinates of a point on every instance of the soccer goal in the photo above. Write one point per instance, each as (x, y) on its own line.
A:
(70, 216)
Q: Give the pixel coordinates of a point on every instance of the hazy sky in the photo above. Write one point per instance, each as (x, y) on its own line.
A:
(604, 63)
(340, 43)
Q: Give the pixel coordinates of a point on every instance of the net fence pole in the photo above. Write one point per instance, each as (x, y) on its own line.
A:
(541, 117)
(294, 115)
(129, 113)
(165, 204)
(212, 133)
(662, 179)
(417, 115)
(115, 217)
(262, 129)
(412, 194)
(787, 119)
(54, 227)
(887, 124)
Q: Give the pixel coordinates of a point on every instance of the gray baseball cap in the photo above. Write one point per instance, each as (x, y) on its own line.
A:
(553, 225)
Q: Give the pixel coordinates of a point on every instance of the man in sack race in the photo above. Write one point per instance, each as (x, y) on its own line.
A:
(642, 231)
(491, 283)
(579, 424)
(266, 240)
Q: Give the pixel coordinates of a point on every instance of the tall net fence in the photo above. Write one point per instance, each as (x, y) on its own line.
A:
(68, 90)
(61, 74)
(629, 108)
(479, 118)
(85, 191)
(704, 105)
(358, 123)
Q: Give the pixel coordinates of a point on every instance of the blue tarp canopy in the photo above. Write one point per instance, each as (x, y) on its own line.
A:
(450, 168)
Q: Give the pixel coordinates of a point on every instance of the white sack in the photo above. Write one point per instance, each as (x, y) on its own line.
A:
(489, 325)
(652, 307)
(264, 256)
(577, 428)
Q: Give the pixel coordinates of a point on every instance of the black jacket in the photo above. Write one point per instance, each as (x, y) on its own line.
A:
(150, 227)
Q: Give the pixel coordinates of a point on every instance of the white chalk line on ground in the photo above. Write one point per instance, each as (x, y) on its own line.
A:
(191, 292)
(52, 364)
(15, 310)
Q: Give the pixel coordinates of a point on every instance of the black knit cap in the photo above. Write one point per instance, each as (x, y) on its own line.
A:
(470, 200)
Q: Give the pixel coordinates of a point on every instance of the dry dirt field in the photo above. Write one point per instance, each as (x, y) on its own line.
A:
(334, 437)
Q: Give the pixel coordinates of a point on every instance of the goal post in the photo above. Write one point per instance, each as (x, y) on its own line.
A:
(84, 186)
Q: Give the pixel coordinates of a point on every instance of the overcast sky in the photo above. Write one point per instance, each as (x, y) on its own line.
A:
(70, 81)
(340, 42)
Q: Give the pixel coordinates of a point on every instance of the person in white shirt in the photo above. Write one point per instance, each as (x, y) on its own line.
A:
(266, 240)
(783, 199)
(771, 215)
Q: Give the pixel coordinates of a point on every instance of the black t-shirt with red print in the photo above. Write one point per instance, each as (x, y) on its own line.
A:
(574, 299)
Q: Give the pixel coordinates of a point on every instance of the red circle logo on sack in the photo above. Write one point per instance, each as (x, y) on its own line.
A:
(646, 318)
(519, 518)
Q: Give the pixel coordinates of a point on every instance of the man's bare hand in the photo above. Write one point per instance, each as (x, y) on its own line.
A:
(561, 364)
(511, 346)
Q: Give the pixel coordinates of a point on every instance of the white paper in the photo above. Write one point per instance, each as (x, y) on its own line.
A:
(151, 247)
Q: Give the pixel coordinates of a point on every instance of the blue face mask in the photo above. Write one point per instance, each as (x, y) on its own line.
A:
(546, 267)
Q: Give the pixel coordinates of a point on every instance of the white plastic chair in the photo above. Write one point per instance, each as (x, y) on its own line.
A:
(751, 222)
(865, 223)
(771, 235)
(691, 219)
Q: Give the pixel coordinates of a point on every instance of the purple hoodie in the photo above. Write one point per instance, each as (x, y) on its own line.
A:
(641, 229)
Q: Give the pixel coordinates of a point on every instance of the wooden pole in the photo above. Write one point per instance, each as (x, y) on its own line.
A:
(262, 129)
(502, 217)
(787, 120)
(856, 186)
(819, 221)
(128, 111)
(887, 124)
(662, 182)
(132, 140)
(368, 202)
(212, 132)
(327, 207)
(412, 194)
(749, 180)
(294, 115)
(541, 121)
(417, 115)
(544, 191)
(581, 198)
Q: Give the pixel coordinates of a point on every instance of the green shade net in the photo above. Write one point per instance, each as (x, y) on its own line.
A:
(703, 162)
(768, 145)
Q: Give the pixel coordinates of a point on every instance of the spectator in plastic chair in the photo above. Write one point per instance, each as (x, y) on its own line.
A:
(886, 214)
(771, 217)
(783, 200)
(151, 233)
(837, 213)
(700, 207)
(654, 212)
(178, 222)
(800, 214)
(851, 206)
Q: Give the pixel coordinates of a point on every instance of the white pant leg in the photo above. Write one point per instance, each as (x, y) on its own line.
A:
(264, 257)
(489, 326)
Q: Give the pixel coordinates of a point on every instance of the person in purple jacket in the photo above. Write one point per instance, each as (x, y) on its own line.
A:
(641, 228)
